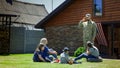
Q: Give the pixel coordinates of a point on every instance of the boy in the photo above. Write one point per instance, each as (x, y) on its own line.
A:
(64, 57)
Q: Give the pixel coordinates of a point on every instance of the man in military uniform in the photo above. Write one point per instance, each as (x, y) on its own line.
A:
(89, 29)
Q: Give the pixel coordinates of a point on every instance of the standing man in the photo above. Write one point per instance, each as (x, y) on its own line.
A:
(89, 29)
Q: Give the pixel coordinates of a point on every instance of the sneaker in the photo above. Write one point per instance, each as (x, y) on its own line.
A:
(57, 60)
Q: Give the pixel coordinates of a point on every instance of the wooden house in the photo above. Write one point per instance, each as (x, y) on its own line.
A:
(61, 25)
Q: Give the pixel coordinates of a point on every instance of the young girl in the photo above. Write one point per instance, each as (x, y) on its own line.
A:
(40, 54)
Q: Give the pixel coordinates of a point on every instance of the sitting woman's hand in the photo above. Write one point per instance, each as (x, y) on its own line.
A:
(55, 52)
(52, 52)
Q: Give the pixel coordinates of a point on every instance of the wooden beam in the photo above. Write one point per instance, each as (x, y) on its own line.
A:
(8, 15)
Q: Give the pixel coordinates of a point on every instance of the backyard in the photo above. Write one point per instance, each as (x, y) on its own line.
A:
(25, 61)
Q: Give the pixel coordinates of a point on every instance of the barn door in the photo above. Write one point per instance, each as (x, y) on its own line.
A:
(112, 33)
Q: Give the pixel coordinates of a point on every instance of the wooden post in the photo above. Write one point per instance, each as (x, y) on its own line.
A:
(112, 39)
(5, 31)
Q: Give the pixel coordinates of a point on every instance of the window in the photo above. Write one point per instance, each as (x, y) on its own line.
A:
(98, 7)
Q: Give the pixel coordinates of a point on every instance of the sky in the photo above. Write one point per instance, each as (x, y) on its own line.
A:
(99, 4)
(47, 3)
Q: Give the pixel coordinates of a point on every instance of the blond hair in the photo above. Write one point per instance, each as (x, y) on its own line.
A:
(44, 41)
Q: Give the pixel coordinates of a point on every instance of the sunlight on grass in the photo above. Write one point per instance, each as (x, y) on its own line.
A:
(25, 61)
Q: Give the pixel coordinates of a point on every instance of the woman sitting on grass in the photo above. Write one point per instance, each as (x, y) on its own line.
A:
(51, 51)
(41, 54)
(92, 53)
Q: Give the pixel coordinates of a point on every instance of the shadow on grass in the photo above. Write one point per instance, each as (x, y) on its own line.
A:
(4, 54)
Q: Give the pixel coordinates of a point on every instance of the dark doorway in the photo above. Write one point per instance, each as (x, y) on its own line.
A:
(112, 33)
(116, 40)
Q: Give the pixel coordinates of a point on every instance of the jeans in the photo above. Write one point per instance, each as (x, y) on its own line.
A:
(54, 55)
(84, 55)
(48, 59)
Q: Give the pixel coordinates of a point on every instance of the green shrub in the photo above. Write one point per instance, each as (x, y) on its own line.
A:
(79, 51)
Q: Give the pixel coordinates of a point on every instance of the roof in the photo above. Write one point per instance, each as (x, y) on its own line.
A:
(10, 15)
(53, 13)
(29, 13)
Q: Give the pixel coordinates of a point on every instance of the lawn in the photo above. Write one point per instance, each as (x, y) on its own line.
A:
(25, 61)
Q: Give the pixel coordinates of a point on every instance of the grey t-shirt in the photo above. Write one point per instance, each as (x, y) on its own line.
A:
(94, 51)
(64, 58)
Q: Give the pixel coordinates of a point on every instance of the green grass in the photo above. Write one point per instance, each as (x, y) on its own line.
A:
(25, 61)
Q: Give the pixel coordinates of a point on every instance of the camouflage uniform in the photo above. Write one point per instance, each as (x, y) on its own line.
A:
(89, 31)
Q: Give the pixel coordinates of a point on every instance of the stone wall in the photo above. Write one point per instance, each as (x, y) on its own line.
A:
(64, 36)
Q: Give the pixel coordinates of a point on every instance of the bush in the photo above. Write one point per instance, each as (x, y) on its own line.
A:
(79, 51)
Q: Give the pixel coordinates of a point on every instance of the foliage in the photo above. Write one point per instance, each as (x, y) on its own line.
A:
(79, 51)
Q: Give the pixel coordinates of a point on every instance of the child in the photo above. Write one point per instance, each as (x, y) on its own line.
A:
(64, 57)
(40, 54)
(51, 51)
